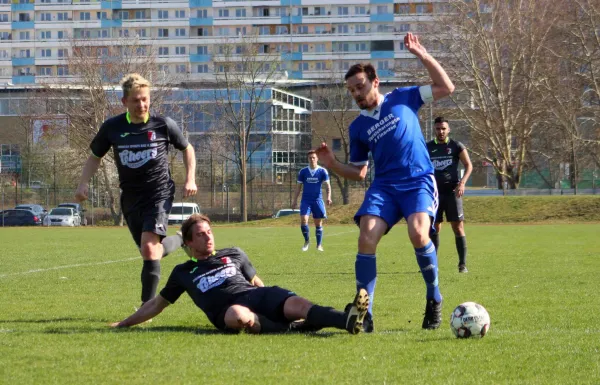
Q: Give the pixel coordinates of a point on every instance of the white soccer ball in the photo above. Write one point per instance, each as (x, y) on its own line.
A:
(469, 319)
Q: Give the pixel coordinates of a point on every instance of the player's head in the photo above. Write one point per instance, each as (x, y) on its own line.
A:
(312, 158)
(363, 84)
(136, 96)
(197, 235)
(442, 129)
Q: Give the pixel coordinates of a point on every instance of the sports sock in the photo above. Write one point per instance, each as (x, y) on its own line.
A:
(319, 234)
(461, 248)
(427, 260)
(267, 326)
(150, 278)
(435, 238)
(304, 229)
(365, 269)
(321, 316)
(171, 243)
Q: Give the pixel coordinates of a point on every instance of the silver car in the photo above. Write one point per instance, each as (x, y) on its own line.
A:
(62, 216)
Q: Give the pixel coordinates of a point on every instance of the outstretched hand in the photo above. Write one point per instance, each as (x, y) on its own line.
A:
(325, 155)
(411, 42)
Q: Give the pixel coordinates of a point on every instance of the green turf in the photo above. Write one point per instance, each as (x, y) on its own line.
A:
(61, 287)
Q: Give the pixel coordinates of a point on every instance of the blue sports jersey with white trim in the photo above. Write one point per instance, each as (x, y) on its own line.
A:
(312, 180)
(394, 138)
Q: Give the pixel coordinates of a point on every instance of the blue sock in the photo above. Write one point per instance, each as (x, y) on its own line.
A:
(319, 234)
(427, 260)
(365, 268)
(304, 229)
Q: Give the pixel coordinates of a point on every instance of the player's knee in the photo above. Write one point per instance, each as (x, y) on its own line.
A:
(296, 307)
(367, 240)
(419, 238)
(151, 251)
(239, 317)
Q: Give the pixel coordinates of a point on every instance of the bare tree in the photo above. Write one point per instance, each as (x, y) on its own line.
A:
(494, 54)
(245, 73)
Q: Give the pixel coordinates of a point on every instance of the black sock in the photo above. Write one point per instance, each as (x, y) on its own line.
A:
(435, 238)
(268, 326)
(461, 248)
(171, 243)
(321, 316)
(150, 278)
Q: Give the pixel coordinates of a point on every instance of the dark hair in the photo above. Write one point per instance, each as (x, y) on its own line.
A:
(440, 119)
(360, 68)
(310, 153)
(187, 225)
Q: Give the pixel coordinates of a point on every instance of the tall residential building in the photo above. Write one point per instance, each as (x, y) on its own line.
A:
(313, 38)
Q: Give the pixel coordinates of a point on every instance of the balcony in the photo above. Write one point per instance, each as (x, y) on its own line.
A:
(199, 21)
(23, 79)
(23, 61)
(23, 25)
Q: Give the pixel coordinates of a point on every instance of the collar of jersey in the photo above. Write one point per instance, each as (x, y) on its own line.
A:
(313, 170)
(212, 255)
(374, 113)
(445, 141)
(145, 119)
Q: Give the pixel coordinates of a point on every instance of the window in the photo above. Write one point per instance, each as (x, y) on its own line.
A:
(342, 11)
(223, 31)
(319, 29)
(3, 16)
(421, 8)
(263, 48)
(320, 65)
(62, 71)
(264, 30)
(301, 47)
(163, 51)
(320, 47)
(281, 11)
(404, 9)
(123, 32)
(240, 31)
(223, 12)
(202, 32)
(84, 16)
(360, 10)
(124, 15)
(180, 14)
(163, 32)
(202, 50)
(202, 68)
(180, 50)
(62, 16)
(101, 16)
(303, 11)
(139, 15)
(404, 27)
(45, 71)
(382, 9)
(179, 31)
(45, 16)
(303, 66)
(302, 29)
(281, 30)
(103, 52)
(24, 35)
(46, 35)
(61, 35)
(343, 28)
(240, 12)
(164, 68)
(202, 13)
(24, 17)
(24, 53)
(336, 144)
(383, 65)
(63, 52)
(180, 69)
(360, 28)
(86, 33)
(46, 53)
(163, 14)
(141, 32)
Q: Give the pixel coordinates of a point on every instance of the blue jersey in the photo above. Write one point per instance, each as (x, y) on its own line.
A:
(391, 132)
(312, 180)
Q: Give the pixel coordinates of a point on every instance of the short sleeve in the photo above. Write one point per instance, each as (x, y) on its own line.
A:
(410, 96)
(176, 137)
(300, 176)
(359, 151)
(101, 142)
(246, 267)
(460, 147)
(172, 290)
(325, 175)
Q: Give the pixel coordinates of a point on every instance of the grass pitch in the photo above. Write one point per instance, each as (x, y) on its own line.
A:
(61, 287)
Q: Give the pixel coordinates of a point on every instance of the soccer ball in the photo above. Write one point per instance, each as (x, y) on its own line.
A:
(469, 319)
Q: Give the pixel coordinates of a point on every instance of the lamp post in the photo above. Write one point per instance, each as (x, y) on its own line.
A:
(226, 191)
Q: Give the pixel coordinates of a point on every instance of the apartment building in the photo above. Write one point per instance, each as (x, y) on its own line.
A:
(312, 38)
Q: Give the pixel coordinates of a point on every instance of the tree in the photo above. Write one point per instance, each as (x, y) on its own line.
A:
(494, 53)
(245, 72)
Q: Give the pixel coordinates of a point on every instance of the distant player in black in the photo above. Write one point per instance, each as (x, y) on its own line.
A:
(224, 285)
(445, 155)
(140, 143)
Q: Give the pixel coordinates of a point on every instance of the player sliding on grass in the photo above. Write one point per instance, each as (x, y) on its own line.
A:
(140, 142)
(224, 285)
(404, 185)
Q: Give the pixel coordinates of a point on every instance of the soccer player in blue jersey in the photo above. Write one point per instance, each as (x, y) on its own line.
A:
(310, 180)
(404, 184)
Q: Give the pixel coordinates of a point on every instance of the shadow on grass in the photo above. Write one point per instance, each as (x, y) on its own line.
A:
(50, 320)
(146, 329)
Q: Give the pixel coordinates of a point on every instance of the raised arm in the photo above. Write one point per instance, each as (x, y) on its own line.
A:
(90, 168)
(441, 85)
(148, 310)
(189, 161)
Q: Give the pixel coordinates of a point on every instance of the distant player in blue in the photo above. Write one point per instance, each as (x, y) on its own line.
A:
(310, 180)
(404, 184)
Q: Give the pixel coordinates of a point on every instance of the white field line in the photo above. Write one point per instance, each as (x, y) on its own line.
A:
(68, 267)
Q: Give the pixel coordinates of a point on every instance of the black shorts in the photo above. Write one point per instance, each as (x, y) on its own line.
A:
(266, 301)
(451, 206)
(153, 218)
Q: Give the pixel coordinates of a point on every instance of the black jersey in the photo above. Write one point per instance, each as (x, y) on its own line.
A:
(445, 159)
(140, 152)
(212, 283)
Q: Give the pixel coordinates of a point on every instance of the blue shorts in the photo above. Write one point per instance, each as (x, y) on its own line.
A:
(393, 202)
(317, 208)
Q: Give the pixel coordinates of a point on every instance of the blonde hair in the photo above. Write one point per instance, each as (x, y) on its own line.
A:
(133, 81)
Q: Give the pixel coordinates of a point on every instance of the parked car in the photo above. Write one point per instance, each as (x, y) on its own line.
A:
(79, 209)
(36, 209)
(62, 216)
(286, 212)
(19, 217)
(182, 211)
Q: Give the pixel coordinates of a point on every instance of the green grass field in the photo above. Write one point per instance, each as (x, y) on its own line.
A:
(61, 287)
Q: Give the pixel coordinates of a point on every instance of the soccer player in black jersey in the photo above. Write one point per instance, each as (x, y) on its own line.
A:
(224, 285)
(140, 143)
(445, 154)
